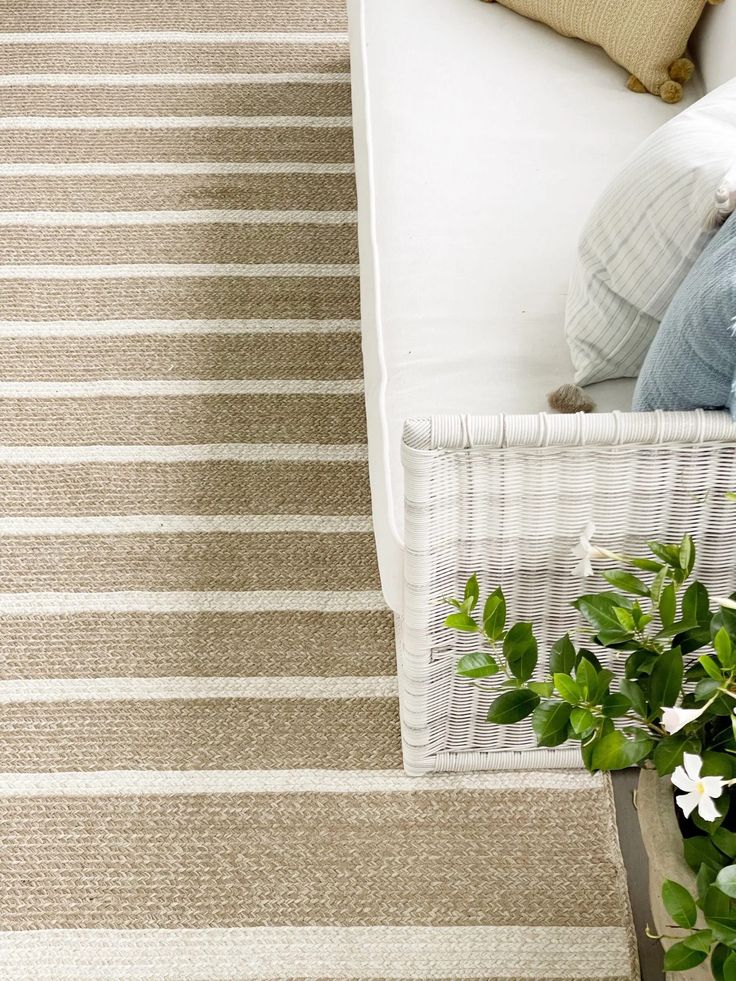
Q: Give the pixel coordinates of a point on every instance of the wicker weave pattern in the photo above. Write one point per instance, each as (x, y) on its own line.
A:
(507, 498)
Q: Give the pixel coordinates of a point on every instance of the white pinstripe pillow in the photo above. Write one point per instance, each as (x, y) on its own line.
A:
(645, 233)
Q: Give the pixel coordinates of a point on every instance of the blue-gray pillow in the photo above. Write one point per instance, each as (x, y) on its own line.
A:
(691, 363)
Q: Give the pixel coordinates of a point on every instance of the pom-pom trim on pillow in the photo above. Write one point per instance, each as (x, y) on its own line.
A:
(647, 37)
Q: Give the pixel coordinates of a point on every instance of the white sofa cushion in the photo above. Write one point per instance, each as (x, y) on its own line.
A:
(482, 141)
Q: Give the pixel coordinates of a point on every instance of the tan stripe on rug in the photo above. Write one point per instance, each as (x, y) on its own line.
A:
(197, 15)
(161, 298)
(228, 55)
(217, 242)
(140, 645)
(196, 99)
(219, 487)
(267, 144)
(183, 192)
(161, 355)
(182, 419)
(301, 858)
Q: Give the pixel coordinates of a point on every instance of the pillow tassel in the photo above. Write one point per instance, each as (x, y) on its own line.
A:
(681, 70)
(670, 91)
(570, 398)
(635, 85)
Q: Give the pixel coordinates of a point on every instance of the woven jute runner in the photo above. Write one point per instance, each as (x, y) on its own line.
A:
(199, 739)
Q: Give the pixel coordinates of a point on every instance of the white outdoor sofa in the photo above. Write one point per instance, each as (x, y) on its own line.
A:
(482, 141)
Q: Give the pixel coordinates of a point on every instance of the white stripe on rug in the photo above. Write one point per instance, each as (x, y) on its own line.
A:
(153, 169)
(88, 328)
(194, 453)
(413, 952)
(233, 216)
(200, 601)
(177, 270)
(177, 78)
(112, 388)
(173, 37)
(161, 689)
(174, 122)
(175, 524)
(101, 783)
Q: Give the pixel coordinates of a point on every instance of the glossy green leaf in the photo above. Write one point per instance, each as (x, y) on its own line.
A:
(704, 880)
(710, 667)
(665, 680)
(545, 689)
(687, 555)
(461, 621)
(729, 967)
(645, 565)
(692, 640)
(658, 584)
(724, 617)
(722, 932)
(726, 881)
(724, 648)
(585, 655)
(725, 841)
(625, 581)
(668, 605)
(472, 592)
(477, 665)
(639, 664)
(705, 689)
(512, 706)
(669, 554)
(550, 722)
(720, 915)
(635, 695)
(615, 752)
(681, 958)
(625, 618)
(562, 656)
(718, 904)
(700, 850)
(700, 940)
(602, 681)
(520, 651)
(669, 752)
(494, 614)
(586, 677)
(567, 688)
(581, 720)
(717, 959)
(599, 610)
(717, 764)
(615, 705)
(679, 904)
(695, 603)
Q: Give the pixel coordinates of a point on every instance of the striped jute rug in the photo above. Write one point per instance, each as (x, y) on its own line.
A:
(201, 773)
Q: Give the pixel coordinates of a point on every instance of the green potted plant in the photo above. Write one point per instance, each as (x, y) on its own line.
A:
(669, 710)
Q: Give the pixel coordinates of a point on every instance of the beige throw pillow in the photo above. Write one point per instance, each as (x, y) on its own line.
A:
(646, 37)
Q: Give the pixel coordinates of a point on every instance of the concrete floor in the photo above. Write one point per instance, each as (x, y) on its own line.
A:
(637, 871)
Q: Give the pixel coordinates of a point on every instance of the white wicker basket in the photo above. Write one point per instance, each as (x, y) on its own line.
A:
(507, 497)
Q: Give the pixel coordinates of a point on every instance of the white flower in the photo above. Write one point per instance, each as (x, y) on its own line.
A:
(700, 791)
(724, 601)
(673, 719)
(586, 551)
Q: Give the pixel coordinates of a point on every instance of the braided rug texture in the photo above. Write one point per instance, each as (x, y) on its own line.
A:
(200, 768)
